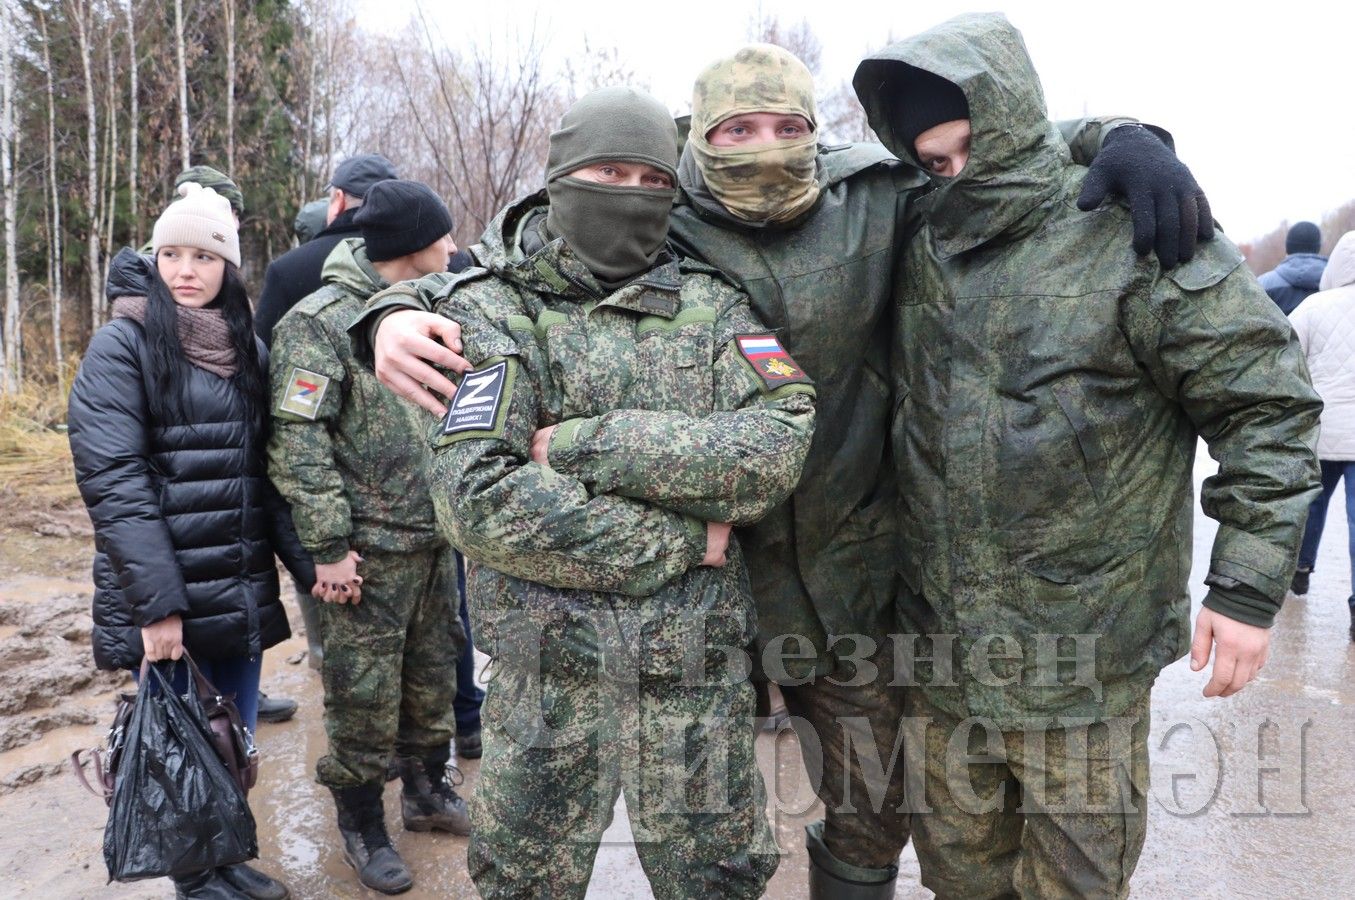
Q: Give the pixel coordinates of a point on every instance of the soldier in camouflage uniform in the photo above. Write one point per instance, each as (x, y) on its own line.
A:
(811, 233)
(622, 401)
(1053, 388)
(344, 452)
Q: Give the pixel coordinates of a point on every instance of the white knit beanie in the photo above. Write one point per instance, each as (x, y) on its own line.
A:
(200, 218)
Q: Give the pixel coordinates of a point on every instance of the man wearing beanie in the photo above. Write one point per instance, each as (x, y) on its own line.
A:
(624, 410)
(299, 272)
(345, 454)
(1053, 388)
(1300, 272)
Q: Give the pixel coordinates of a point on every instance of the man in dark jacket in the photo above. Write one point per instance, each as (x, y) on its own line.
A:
(1297, 275)
(296, 273)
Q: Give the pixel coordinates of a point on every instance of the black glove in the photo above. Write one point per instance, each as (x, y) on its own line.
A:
(1171, 214)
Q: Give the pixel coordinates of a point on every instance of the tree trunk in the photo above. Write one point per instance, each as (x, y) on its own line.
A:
(13, 343)
(229, 10)
(133, 163)
(110, 201)
(185, 145)
(92, 261)
(54, 223)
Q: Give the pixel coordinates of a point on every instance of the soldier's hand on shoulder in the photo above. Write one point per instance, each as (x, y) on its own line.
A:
(409, 343)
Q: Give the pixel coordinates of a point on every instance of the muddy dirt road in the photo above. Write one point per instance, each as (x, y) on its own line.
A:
(1251, 797)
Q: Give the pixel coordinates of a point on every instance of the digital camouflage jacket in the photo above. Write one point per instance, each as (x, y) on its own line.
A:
(674, 408)
(345, 452)
(1052, 387)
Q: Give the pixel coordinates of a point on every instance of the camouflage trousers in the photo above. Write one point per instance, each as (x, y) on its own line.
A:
(560, 745)
(1051, 813)
(390, 665)
(849, 725)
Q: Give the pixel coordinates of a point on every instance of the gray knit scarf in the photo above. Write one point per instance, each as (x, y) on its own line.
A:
(203, 334)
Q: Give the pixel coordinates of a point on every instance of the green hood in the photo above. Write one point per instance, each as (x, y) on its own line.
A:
(348, 267)
(1017, 158)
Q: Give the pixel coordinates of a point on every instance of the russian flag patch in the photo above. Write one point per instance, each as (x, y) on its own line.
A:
(304, 394)
(770, 360)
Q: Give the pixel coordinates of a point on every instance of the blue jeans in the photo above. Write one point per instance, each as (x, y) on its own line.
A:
(238, 675)
(1332, 473)
(469, 697)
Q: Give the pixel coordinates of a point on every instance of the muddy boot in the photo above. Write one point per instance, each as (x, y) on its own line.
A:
(1299, 586)
(207, 885)
(832, 879)
(366, 845)
(468, 745)
(428, 801)
(310, 617)
(252, 883)
(275, 709)
(1351, 604)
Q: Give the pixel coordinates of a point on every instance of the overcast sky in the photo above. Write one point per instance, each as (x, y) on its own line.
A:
(1260, 103)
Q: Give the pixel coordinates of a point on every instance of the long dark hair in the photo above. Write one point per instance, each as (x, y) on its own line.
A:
(167, 362)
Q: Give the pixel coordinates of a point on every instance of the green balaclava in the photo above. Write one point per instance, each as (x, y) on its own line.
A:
(766, 182)
(617, 232)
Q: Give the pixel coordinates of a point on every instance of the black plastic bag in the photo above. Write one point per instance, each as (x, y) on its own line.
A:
(176, 810)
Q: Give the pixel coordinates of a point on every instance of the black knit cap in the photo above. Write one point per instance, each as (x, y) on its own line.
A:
(1304, 237)
(925, 100)
(401, 217)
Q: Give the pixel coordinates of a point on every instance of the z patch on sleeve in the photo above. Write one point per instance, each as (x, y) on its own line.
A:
(479, 404)
(770, 360)
(305, 392)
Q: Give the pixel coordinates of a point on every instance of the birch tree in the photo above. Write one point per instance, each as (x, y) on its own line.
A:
(133, 162)
(94, 267)
(228, 10)
(185, 145)
(13, 339)
(54, 267)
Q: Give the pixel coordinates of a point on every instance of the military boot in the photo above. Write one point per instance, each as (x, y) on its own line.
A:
(832, 879)
(205, 885)
(429, 802)
(366, 845)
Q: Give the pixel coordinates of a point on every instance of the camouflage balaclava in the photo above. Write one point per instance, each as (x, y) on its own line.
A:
(765, 182)
(617, 232)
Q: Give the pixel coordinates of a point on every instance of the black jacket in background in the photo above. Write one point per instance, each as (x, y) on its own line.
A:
(296, 274)
(185, 519)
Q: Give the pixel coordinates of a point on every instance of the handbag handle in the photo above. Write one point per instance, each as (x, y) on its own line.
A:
(203, 686)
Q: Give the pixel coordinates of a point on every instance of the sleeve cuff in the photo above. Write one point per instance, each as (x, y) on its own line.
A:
(562, 442)
(1245, 609)
(330, 551)
(697, 529)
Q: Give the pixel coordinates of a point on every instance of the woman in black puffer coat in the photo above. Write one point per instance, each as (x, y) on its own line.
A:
(167, 428)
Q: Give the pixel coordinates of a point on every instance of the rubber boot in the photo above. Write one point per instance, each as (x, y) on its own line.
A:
(310, 617)
(832, 879)
(205, 885)
(428, 801)
(253, 883)
(366, 845)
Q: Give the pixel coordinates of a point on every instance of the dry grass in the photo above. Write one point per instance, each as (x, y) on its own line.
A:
(35, 459)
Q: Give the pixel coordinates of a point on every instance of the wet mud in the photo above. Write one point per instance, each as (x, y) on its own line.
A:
(1252, 796)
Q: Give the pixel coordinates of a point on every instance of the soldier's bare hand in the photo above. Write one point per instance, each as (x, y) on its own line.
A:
(339, 582)
(717, 543)
(541, 445)
(408, 344)
(1240, 651)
